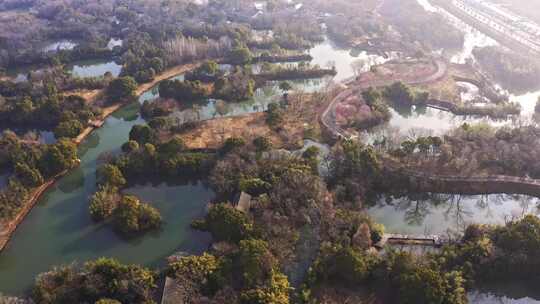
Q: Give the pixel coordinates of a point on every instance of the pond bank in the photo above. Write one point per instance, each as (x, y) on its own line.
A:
(468, 185)
(10, 227)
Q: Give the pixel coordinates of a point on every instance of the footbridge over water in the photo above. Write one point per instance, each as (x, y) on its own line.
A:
(404, 239)
(467, 185)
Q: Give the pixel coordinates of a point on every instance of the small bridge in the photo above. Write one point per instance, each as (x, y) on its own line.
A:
(403, 239)
(96, 123)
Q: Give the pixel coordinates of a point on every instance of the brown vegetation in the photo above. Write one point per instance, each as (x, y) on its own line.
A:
(300, 121)
(478, 150)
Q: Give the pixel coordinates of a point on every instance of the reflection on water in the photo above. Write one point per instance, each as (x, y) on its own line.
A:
(348, 63)
(59, 45)
(83, 69)
(513, 292)
(428, 213)
(95, 68)
(59, 229)
(114, 42)
(473, 37)
(420, 121)
(212, 108)
(527, 101)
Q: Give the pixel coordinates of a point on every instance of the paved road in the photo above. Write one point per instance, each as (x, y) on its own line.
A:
(351, 86)
(491, 23)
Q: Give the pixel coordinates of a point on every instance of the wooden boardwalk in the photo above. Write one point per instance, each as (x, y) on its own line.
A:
(459, 184)
(403, 239)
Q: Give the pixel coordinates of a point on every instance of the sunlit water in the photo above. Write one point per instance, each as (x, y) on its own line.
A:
(440, 213)
(476, 39)
(59, 45)
(82, 69)
(348, 63)
(114, 42)
(411, 122)
(59, 229)
(95, 68)
(515, 292)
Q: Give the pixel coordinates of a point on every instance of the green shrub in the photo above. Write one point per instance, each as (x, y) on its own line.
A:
(225, 223)
(133, 217)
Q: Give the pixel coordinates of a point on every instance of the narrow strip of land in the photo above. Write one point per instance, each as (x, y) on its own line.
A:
(9, 228)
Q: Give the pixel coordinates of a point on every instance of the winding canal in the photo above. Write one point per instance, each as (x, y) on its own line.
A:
(59, 229)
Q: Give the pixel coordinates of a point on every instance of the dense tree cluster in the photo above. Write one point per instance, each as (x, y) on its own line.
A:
(121, 89)
(237, 172)
(209, 71)
(143, 58)
(225, 223)
(274, 116)
(237, 86)
(350, 161)
(401, 94)
(129, 215)
(380, 112)
(31, 164)
(410, 280)
(66, 114)
(100, 281)
(183, 91)
(169, 158)
(239, 56)
(132, 216)
(302, 71)
(511, 69)
(418, 25)
(495, 253)
(249, 275)
(477, 149)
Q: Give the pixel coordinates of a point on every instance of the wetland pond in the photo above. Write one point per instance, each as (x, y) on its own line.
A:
(82, 69)
(94, 68)
(430, 213)
(59, 229)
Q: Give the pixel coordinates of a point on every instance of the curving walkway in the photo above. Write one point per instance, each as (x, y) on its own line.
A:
(459, 184)
(328, 118)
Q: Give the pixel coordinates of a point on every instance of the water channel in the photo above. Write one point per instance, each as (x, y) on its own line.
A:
(82, 69)
(59, 229)
(94, 68)
(440, 213)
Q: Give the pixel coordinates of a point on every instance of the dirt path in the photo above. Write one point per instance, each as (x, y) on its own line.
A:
(328, 118)
(9, 228)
